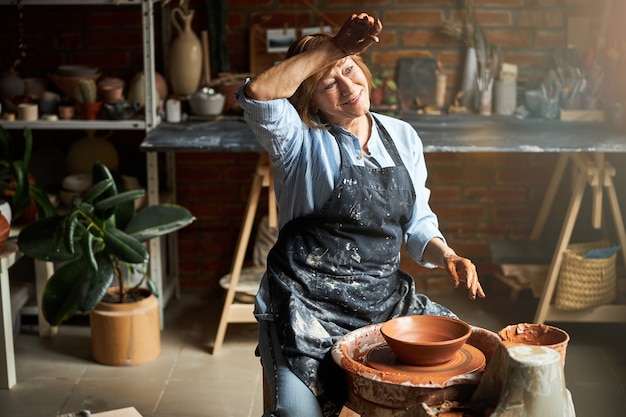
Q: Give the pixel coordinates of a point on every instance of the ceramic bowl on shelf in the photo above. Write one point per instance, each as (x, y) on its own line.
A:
(67, 84)
(76, 71)
(425, 340)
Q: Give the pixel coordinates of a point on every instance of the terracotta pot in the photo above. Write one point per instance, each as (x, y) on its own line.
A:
(185, 55)
(66, 112)
(127, 333)
(537, 335)
(5, 224)
(111, 88)
(28, 215)
(5, 210)
(89, 111)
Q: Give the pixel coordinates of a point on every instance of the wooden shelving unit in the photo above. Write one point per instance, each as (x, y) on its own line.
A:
(166, 285)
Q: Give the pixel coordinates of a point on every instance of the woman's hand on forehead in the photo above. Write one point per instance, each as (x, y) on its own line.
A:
(358, 33)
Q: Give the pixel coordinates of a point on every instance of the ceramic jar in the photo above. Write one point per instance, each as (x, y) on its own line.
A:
(185, 60)
(505, 97)
(137, 91)
(207, 102)
(12, 86)
(86, 151)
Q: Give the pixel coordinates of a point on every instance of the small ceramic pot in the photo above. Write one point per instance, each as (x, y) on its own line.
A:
(66, 112)
(111, 88)
(27, 111)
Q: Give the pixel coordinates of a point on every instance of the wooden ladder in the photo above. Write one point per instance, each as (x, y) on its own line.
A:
(234, 312)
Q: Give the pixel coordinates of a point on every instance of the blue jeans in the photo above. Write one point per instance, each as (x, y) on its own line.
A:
(290, 397)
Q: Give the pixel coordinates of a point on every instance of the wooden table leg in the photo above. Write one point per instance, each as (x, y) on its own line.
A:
(7, 352)
(43, 272)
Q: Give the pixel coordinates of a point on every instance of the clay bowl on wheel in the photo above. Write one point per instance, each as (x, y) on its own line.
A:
(425, 340)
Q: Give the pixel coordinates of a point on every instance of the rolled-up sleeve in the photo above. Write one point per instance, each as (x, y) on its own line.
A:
(424, 224)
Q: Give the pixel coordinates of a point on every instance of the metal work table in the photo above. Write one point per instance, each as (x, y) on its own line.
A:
(453, 133)
(583, 143)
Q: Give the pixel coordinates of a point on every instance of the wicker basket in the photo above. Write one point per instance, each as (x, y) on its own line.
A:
(583, 282)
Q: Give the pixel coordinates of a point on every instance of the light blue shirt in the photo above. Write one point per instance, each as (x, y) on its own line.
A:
(307, 163)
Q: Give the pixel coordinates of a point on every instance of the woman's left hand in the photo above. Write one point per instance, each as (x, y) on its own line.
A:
(463, 270)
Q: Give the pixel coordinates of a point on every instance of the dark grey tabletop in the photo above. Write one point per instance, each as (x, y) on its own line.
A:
(447, 133)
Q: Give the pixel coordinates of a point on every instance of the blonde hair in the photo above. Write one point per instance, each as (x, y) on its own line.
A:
(301, 99)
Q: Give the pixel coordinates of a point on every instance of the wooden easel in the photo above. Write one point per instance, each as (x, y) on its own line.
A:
(232, 311)
(596, 172)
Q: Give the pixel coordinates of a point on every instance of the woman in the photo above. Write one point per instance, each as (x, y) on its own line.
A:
(351, 189)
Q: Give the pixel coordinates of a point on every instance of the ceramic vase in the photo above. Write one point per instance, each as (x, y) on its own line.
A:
(469, 85)
(185, 61)
(86, 151)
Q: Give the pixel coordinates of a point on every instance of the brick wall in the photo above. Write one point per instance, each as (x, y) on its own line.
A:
(477, 196)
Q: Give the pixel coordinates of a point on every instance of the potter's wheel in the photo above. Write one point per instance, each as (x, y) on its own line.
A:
(467, 359)
(362, 352)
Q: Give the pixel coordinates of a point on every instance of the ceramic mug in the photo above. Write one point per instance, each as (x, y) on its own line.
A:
(27, 111)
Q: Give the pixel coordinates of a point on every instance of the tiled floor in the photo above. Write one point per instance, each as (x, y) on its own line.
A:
(58, 376)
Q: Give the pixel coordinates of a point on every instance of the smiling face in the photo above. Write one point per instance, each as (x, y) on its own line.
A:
(342, 95)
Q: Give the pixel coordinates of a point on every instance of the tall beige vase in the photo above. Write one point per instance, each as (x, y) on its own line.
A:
(185, 61)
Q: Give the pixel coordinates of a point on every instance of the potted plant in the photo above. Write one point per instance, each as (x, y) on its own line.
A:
(101, 243)
(384, 91)
(18, 192)
(86, 96)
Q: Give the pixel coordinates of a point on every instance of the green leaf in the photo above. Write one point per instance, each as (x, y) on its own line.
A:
(100, 172)
(90, 257)
(44, 207)
(28, 146)
(121, 198)
(21, 199)
(152, 287)
(64, 292)
(125, 247)
(98, 189)
(44, 240)
(125, 211)
(98, 282)
(69, 227)
(158, 220)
